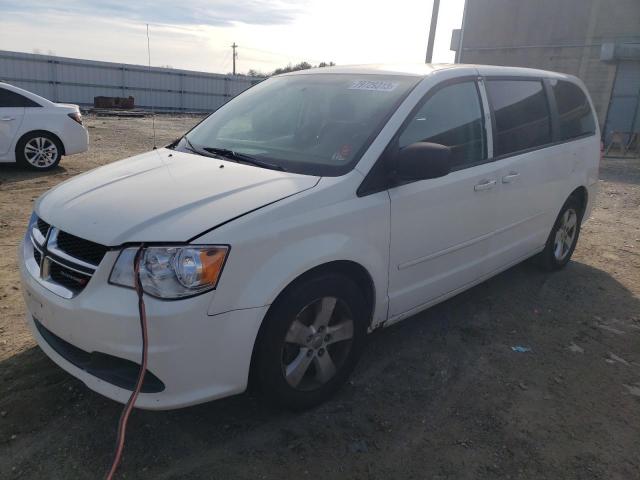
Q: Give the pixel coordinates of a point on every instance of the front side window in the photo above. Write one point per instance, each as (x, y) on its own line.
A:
(451, 117)
(318, 124)
(576, 116)
(12, 100)
(521, 113)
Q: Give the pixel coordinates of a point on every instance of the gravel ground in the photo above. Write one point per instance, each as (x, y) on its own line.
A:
(441, 395)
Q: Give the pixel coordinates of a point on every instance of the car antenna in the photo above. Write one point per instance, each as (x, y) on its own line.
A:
(153, 116)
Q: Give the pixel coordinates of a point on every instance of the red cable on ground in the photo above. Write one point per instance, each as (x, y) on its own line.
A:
(126, 412)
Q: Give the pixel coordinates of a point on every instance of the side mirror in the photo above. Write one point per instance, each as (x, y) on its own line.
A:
(422, 160)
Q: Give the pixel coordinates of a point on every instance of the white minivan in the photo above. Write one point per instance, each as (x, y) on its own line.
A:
(309, 210)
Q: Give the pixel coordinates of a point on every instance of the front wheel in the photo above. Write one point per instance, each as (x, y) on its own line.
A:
(311, 341)
(39, 151)
(563, 238)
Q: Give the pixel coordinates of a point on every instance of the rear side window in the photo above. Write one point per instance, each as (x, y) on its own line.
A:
(12, 99)
(576, 117)
(452, 117)
(521, 111)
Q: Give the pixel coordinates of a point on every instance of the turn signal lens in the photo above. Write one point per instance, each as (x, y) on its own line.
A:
(196, 266)
(212, 260)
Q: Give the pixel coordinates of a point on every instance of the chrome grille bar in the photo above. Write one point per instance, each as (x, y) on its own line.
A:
(59, 272)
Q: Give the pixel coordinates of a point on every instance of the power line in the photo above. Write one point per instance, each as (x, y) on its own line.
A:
(191, 30)
(225, 61)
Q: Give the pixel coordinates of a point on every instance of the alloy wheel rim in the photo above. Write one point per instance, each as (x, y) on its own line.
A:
(565, 235)
(41, 152)
(317, 343)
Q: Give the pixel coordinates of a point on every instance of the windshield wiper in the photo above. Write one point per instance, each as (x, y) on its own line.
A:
(242, 157)
(189, 146)
(214, 152)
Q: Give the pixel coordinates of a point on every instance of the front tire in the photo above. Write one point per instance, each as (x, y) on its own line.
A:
(39, 151)
(311, 341)
(563, 238)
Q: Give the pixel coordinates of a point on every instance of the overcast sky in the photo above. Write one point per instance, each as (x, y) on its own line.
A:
(197, 34)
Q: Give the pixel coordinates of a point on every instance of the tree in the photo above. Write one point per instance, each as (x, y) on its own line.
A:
(256, 73)
(300, 66)
(289, 68)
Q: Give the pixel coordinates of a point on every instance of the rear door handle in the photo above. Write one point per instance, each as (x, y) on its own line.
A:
(7, 119)
(485, 185)
(510, 178)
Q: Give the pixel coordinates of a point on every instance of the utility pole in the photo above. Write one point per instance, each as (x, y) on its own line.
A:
(432, 30)
(235, 55)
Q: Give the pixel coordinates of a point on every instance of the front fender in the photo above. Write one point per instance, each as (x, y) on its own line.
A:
(272, 247)
(273, 276)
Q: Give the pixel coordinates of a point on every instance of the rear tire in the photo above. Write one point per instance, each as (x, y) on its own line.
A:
(311, 341)
(563, 238)
(39, 151)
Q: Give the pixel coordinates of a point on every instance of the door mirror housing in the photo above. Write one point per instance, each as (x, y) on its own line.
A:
(423, 160)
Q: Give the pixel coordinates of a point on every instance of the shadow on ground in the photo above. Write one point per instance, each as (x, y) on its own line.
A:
(441, 395)
(11, 174)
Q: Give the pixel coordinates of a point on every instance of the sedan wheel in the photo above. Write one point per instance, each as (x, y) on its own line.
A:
(41, 152)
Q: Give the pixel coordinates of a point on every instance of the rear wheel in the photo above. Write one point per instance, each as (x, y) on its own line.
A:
(563, 238)
(39, 151)
(311, 341)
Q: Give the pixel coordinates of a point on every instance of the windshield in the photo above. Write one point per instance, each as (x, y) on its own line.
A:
(318, 124)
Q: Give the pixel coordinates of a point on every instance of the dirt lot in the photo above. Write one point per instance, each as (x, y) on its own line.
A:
(441, 395)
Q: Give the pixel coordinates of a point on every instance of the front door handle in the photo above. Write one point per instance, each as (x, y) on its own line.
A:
(7, 119)
(485, 185)
(510, 177)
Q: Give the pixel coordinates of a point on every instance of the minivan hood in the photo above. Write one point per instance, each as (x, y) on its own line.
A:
(162, 196)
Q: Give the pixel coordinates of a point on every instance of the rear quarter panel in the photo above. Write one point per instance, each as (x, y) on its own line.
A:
(73, 136)
(583, 155)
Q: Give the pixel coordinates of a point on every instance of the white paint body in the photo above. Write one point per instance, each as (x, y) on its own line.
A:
(421, 243)
(15, 122)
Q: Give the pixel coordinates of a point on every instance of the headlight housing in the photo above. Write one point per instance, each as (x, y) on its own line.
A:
(172, 272)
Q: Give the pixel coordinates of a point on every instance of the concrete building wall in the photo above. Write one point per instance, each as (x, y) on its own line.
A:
(560, 35)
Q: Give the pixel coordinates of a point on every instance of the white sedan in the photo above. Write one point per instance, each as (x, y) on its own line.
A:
(35, 132)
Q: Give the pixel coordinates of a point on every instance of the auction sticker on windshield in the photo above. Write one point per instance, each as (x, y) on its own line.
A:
(376, 85)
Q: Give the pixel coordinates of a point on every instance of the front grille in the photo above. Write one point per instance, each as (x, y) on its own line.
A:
(68, 278)
(81, 249)
(117, 371)
(43, 227)
(62, 262)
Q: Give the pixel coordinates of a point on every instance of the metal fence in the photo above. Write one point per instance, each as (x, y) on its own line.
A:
(73, 80)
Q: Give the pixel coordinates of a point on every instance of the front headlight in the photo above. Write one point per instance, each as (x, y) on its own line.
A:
(172, 272)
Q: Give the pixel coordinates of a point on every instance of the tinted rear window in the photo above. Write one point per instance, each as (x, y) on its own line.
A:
(576, 117)
(522, 119)
(12, 99)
